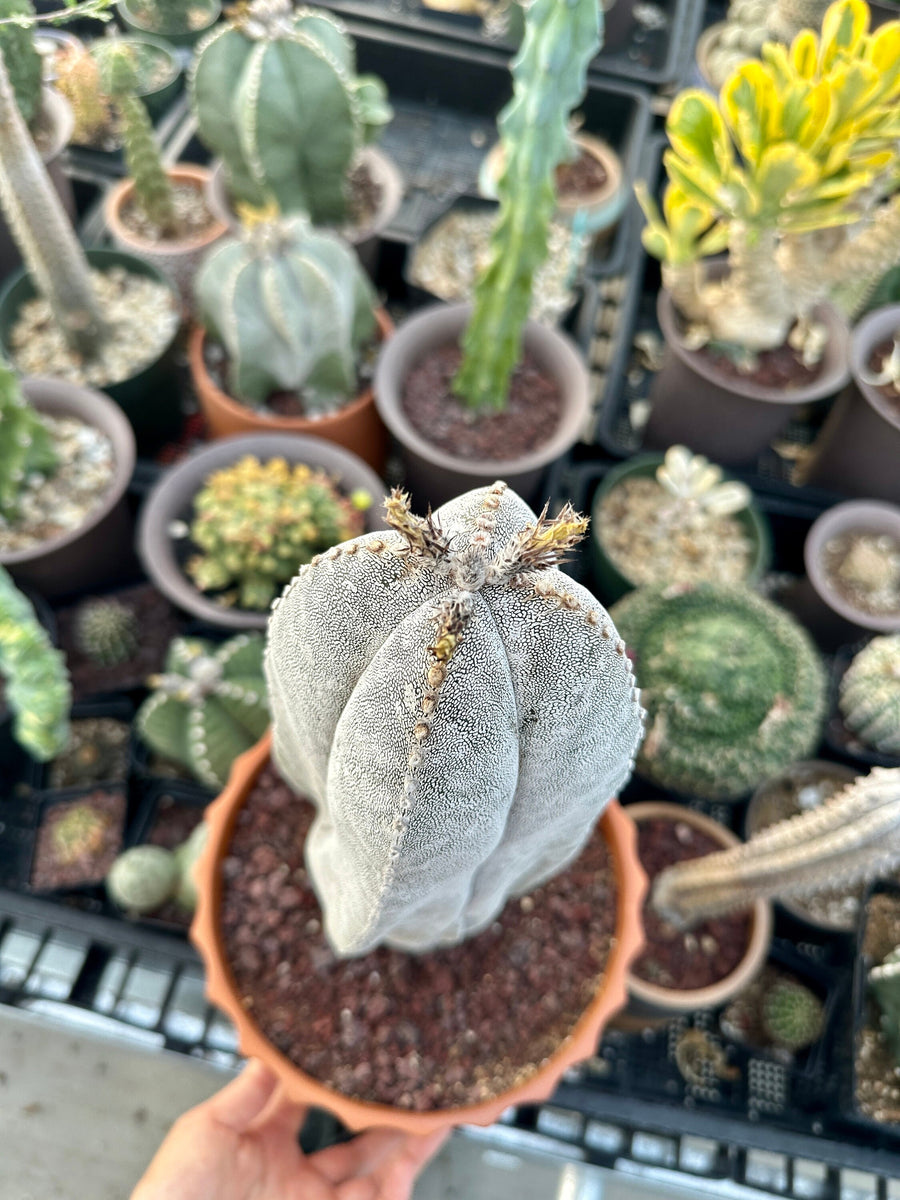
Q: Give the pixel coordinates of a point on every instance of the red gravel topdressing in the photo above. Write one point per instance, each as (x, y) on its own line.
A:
(781, 368)
(585, 175)
(450, 1028)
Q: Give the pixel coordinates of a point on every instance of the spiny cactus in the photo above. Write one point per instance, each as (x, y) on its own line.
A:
(277, 98)
(792, 1015)
(458, 710)
(884, 980)
(293, 308)
(79, 833)
(144, 878)
(22, 60)
(734, 688)
(549, 78)
(258, 523)
(870, 694)
(851, 838)
(37, 684)
(26, 447)
(79, 82)
(106, 632)
(208, 706)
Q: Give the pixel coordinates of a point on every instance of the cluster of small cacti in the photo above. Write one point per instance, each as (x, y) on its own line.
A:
(144, 878)
(870, 694)
(106, 632)
(208, 706)
(884, 981)
(258, 523)
(792, 1014)
(23, 63)
(293, 308)
(79, 833)
(26, 447)
(298, 154)
(733, 687)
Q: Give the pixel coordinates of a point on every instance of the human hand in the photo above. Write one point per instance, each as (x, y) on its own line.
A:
(241, 1144)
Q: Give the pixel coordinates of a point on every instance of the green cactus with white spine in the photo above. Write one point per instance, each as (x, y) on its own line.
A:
(277, 98)
(549, 80)
(144, 878)
(293, 308)
(25, 444)
(792, 1014)
(22, 60)
(106, 632)
(734, 689)
(884, 981)
(870, 694)
(208, 706)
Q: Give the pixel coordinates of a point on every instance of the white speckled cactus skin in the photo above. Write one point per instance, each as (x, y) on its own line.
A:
(459, 711)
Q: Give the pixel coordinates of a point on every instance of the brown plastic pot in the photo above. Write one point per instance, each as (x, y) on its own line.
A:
(180, 258)
(730, 421)
(858, 450)
(172, 500)
(94, 554)
(434, 475)
(649, 1000)
(356, 1114)
(357, 426)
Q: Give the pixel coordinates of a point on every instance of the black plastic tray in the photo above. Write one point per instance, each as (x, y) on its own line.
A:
(860, 1014)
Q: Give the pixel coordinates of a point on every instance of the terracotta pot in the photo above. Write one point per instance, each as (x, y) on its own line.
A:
(730, 421)
(94, 554)
(434, 475)
(178, 259)
(356, 1114)
(655, 1002)
(364, 239)
(185, 37)
(173, 496)
(357, 426)
(858, 450)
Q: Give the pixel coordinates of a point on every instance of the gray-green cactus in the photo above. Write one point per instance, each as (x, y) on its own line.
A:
(734, 688)
(144, 878)
(21, 58)
(293, 308)
(106, 632)
(792, 1014)
(884, 981)
(870, 694)
(26, 447)
(549, 79)
(208, 706)
(277, 98)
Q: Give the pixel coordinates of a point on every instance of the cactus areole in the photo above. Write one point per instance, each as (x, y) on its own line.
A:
(459, 711)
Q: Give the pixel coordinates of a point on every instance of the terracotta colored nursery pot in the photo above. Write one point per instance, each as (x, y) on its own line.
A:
(357, 1114)
(357, 426)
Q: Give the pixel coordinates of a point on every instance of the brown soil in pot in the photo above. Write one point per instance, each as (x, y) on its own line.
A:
(99, 751)
(530, 419)
(781, 369)
(173, 822)
(876, 364)
(59, 862)
(703, 955)
(448, 1028)
(585, 175)
(193, 217)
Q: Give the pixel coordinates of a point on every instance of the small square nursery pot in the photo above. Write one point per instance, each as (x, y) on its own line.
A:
(355, 1114)
(433, 475)
(96, 860)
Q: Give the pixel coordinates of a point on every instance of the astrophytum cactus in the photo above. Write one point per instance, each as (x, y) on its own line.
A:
(459, 711)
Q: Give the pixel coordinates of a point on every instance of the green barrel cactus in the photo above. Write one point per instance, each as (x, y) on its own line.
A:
(23, 63)
(144, 878)
(792, 1014)
(734, 688)
(208, 706)
(106, 632)
(277, 98)
(870, 694)
(26, 447)
(293, 308)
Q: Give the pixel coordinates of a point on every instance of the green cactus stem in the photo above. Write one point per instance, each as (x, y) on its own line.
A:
(26, 447)
(884, 981)
(870, 694)
(106, 632)
(23, 63)
(549, 78)
(792, 1014)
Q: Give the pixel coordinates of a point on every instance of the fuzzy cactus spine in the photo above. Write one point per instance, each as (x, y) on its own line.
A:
(106, 632)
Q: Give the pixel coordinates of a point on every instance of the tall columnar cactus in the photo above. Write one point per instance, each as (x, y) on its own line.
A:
(549, 79)
(277, 97)
(25, 444)
(852, 838)
(208, 706)
(733, 687)
(293, 308)
(23, 63)
(870, 694)
(458, 710)
(37, 685)
(106, 632)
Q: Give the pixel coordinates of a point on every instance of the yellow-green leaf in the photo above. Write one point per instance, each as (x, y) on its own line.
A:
(749, 101)
(697, 131)
(804, 54)
(843, 27)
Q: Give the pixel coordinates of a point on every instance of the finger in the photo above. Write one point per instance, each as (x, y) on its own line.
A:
(398, 1174)
(238, 1104)
(363, 1188)
(281, 1117)
(365, 1153)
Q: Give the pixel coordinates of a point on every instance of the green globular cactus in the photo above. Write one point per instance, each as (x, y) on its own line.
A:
(25, 444)
(106, 632)
(734, 688)
(37, 684)
(23, 63)
(142, 879)
(293, 308)
(208, 706)
(257, 524)
(549, 79)
(870, 694)
(884, 982)
(277, 98)
(792, 1014)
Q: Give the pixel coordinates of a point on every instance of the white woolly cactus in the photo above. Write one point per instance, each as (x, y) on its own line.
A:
(459, 711)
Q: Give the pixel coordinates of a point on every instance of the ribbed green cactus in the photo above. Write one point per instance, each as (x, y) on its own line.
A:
(734, 688)
(884, 980)
(277, 98)
(25, 444)
(870, 694)
(106, 632)
(257, 524)
(142, 879)
(37, 685)
(792, 1014)
(208, 706)
(293, 308)
(549, 79)
(22, 60)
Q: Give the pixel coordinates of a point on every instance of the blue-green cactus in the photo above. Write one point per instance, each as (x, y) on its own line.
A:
(25, 444)
(20, 55)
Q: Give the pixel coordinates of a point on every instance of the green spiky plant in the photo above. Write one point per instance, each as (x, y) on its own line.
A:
(549, 78)
(208, 705)
(26, 447)
(144, 878)
(792, 1014)
(106, 632)
(884, 982)
(79, 833)
(23, 63)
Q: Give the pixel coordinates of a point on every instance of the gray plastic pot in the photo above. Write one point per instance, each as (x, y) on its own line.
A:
(435, 476)
(858, 450)
(171, 500)
(176, 37)
(98, 551)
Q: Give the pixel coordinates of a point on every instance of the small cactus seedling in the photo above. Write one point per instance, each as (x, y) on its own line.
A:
(792, 1015)
(884, 980)
(696, 487)
(144, 878)
(870, 694)
(79, 834)
(106, 632)
(26, 447)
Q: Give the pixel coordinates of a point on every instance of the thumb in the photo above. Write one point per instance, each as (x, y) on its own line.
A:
(238, 1104)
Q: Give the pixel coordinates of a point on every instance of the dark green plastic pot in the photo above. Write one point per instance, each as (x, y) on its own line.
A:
(150, 398)
(188, 38)
(611, 583)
